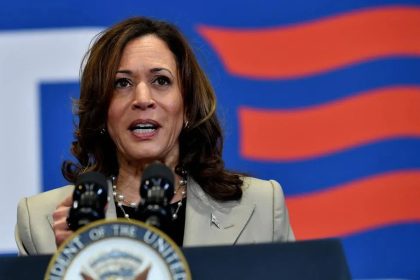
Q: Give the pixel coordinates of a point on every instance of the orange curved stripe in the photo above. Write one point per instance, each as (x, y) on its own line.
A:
(370, 203)
(317, 46)
(304, 133)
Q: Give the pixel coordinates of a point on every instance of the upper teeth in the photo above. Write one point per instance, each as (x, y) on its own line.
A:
(144, 125)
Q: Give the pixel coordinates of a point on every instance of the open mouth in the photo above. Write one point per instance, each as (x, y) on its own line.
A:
(144, 127)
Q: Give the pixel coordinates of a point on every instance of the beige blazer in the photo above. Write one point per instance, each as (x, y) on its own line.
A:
(260, 216)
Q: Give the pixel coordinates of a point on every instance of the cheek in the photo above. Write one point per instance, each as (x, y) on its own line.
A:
(176, 119)
(113, 118)
(178, 116)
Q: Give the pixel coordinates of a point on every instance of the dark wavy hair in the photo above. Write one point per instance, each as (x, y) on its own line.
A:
(201, 142)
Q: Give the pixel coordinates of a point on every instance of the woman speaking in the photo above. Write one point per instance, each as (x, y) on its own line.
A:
(144, 98)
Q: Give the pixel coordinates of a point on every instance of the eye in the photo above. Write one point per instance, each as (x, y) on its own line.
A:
(122, 83)
(162, 81)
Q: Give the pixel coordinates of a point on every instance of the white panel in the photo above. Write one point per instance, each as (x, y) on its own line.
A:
(26, 59)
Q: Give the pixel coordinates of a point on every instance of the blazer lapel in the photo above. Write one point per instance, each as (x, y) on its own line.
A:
(208, 222)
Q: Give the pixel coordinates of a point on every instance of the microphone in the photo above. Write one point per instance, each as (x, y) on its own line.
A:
(90, 197)
(156, 192)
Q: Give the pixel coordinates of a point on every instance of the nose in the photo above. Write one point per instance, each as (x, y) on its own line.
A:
(143, 97)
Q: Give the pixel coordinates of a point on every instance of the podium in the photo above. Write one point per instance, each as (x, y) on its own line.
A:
(316, 259)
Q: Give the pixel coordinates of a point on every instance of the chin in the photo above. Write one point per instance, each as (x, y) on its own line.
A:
(148, 152)
(146, 155)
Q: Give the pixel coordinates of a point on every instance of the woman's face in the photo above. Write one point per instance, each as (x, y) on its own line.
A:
(146, 112)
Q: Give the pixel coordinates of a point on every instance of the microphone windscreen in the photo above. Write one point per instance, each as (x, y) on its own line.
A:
(92, 178)
(158, 170)
(90, 197)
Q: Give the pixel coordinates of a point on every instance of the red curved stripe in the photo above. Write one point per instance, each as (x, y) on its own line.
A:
(305, 133)
(317, 46)
(357, 206)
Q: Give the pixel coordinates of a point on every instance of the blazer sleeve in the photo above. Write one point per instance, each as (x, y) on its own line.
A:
(282, 230)
(23, 234)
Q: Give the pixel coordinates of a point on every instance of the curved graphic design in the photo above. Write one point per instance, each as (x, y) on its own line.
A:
(318, 46)
(300, 177)
(318, 130)
(356, 206)
(315, 90)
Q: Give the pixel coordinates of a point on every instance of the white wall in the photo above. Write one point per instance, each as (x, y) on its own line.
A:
(28, 58)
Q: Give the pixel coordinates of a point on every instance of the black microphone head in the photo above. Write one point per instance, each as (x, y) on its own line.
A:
(157, 184)
(91, 190)
(92, 177)
(90, 197)
(156, 191)
(158, 170)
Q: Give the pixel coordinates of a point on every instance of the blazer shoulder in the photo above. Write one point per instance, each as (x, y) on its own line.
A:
(269, 197)
(39, 206)
(53, 196)
(265, 189)
(43, 203)
(32, 219)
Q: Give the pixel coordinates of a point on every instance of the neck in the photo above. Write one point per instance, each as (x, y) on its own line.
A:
(128, 183)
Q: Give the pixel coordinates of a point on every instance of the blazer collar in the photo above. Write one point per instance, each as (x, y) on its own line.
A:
(209, 222)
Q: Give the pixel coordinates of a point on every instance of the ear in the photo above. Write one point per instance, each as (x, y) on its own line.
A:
(186, 124)
(186, 121)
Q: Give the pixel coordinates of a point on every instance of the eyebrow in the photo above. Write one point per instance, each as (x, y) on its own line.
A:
(153, 70)
(124, 71)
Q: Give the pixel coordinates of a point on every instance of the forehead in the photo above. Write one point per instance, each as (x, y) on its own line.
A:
(148, 50)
